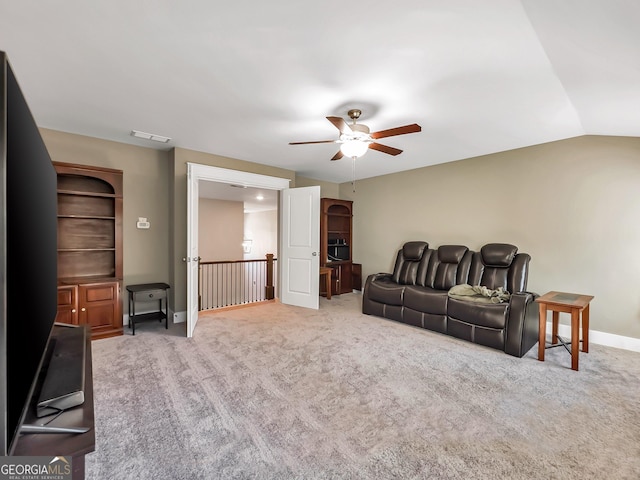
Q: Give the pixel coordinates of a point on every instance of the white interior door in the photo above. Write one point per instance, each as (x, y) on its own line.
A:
(192, 250)
(299, 262)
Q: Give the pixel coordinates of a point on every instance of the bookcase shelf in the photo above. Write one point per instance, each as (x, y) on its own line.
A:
(336, 244)
(90, 203)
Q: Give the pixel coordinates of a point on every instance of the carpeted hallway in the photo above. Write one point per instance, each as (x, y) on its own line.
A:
(280, 392)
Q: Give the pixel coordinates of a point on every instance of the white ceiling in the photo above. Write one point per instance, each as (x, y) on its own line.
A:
(254, 199)
(243, 79)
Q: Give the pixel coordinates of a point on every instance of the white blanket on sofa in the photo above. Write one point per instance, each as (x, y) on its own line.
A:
(479, 293)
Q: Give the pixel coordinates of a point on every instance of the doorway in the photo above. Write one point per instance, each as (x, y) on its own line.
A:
(197, 173)
(237, 244)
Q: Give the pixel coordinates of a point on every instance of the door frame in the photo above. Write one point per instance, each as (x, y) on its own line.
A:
(207, 173)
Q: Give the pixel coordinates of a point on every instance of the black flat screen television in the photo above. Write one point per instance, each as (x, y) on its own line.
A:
(28, 264)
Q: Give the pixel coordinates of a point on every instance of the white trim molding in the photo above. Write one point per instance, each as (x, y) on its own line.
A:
(196, 173)
(180, 317)
(601, 338)
(247, 179)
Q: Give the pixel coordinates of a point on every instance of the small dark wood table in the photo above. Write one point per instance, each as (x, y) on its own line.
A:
(573, 303)
(147, 292)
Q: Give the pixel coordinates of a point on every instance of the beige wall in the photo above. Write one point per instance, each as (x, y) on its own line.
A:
(155, 187)
(327, 189)
(178, 214)
(573, 205)
(145, 191)
(220, 230)
(262, 229)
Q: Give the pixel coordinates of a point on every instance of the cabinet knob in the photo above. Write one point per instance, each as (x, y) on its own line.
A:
(151, 295)
(83, 309)
(73, 310)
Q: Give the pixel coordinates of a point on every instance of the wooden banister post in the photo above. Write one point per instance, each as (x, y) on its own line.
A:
(269, 291)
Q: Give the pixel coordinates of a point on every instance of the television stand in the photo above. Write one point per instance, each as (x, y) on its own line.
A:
(76, 435)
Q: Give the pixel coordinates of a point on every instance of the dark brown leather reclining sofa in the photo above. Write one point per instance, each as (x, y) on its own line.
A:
(416, 293)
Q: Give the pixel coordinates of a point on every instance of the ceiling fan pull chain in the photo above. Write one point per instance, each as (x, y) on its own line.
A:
(353, 173)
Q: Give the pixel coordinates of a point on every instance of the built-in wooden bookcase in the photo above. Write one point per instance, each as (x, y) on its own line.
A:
(336, 244)
(90, 247)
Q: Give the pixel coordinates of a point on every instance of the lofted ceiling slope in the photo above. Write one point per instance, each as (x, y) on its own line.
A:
(243, 79)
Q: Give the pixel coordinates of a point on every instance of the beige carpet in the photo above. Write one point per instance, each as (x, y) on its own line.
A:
(279, 392)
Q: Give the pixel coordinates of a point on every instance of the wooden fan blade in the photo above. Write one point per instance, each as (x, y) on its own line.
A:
(385, 149)
(338, 155)
(413, 128)
(340, 124)
(317, 141)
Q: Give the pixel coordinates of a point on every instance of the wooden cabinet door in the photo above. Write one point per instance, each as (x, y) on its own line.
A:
(356, 276)
(346, 281)
(341, 278)
(67, 304)
(99, 307)
(335, 279)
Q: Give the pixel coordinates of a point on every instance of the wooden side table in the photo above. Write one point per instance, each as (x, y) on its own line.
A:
(573, 303)
(326, 273)
(147, 292)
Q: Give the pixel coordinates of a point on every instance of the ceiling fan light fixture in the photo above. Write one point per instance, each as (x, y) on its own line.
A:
(354, 148)
(360, 129)
(355, 139)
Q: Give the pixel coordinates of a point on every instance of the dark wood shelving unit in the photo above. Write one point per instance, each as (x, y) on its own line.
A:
(336, 250)
(90, 205)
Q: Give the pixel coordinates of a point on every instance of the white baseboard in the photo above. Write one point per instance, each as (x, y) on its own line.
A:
(179, 317)
(175, 317)
(601, 338)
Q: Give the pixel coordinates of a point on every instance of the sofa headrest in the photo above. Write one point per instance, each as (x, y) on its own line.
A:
(451, 253)
(414, 250)
(498, 254)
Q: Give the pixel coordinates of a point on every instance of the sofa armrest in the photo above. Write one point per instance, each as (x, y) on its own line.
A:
(374, 277)
(368, 306)
(522, 323)
(378, 276)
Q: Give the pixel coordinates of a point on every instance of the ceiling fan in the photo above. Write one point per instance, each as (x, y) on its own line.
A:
(355, 138)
